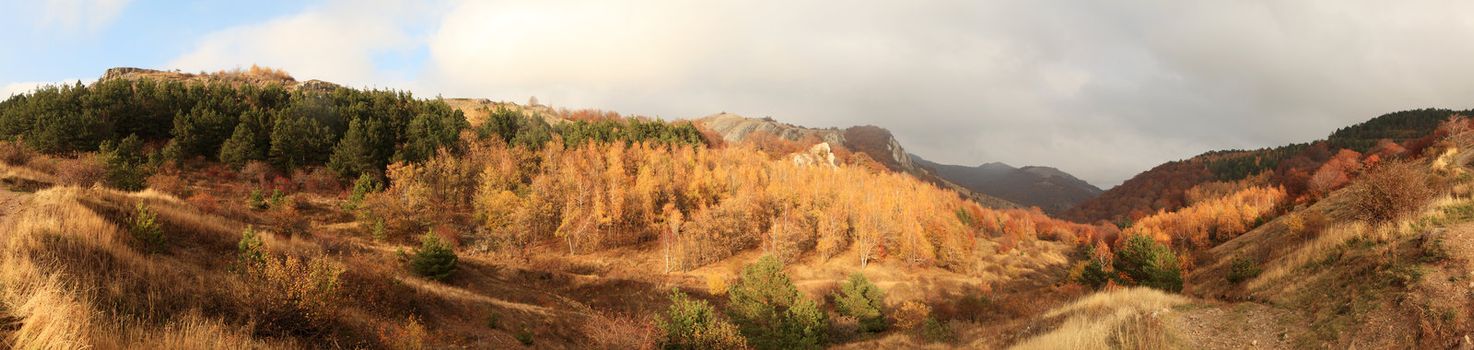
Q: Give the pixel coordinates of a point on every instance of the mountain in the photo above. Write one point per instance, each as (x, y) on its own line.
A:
(874, 142)
(1048, 188)
(1165, 187)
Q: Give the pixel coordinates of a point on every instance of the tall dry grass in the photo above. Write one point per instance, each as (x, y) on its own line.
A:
(74, 279)
(1125, 319)
(1315, 249)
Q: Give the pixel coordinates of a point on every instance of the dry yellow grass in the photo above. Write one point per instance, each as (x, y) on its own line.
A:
(60, 264)
(1125, 318)
(1328, 239)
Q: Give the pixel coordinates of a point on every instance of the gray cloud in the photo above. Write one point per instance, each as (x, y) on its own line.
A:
(1100, 89)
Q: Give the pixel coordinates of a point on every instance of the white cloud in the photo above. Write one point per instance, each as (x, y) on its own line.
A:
(335, 42)
(1100, 90)
(73, 15)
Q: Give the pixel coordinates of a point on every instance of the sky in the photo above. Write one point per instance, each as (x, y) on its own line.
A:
(1100, 89)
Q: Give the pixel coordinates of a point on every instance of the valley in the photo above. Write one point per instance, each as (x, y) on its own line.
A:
(245, 209)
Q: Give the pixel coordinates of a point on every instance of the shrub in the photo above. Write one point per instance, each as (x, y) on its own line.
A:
(257, 171)
(434, 259)
(1304, 224)
(366, 184)
(256, 201)
(620, 332)
(693, 324)
(250, 250)
(936, 331)
(1242, 269)
(524, 336)
(205, 202)
(716, 284)
(1149, 263)
(770, 311)
(843, 328)
(169, 183)
(1390, 191)
(411, 336)
(124, 164)
(277, 198)
(85, 171)
(14, 153)
(298, 295)
(912, 315)
(862, 300)
(1093, 274)
(144, 225)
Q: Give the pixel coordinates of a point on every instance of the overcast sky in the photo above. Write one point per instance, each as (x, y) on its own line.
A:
(1100, 89)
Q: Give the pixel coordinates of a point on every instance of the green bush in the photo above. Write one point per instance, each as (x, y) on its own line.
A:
(862, 300)
(256, 201)
(434, 259)
(693, 324)
(1094, 274)
(936, 331)
(125, 164)
(1149, 263)
(366, 184)
(250, 250)
(524, 336)
(1242, 269)
(770, 311)
(277, 198)
(144, 225)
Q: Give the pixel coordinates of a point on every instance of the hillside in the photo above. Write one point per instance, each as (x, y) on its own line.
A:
(1164, 187)
(871, 144)
(248, 216)
(1050, 189)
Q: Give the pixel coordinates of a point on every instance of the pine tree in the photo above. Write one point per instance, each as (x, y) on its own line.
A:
(428, 132)
(125, 164)
(434, 259)
(298, 141)
(250, 141)
(770, 311)
(363, 150)
(862, 300)
(1149, 263)
(199, 133)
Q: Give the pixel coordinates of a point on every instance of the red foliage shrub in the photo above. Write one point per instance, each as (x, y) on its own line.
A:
(1390, 191)
(169, 183)
(84, 171)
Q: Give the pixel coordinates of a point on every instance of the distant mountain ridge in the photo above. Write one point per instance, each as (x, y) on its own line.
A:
(1050, 189)
(1163, 188)
(873, 141)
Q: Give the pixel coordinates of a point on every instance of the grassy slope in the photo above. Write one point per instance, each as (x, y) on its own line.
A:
(74, 276)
